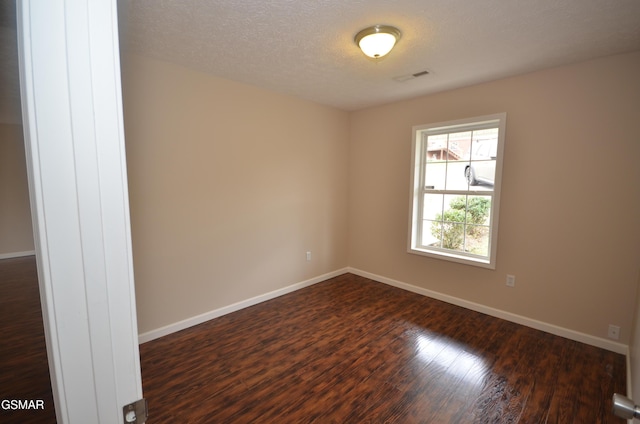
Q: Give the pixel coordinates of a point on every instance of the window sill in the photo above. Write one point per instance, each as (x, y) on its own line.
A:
(452, 257)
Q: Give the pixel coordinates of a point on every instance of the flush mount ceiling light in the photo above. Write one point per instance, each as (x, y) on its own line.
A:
(378, 40)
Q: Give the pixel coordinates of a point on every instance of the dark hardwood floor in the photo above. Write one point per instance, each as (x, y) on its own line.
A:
(351, 350)
(348, 350)
(24, 371)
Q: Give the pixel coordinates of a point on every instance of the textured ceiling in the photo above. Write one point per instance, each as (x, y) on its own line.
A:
(305, 48)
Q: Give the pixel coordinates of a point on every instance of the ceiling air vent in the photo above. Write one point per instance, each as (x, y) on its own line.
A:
(403, 78)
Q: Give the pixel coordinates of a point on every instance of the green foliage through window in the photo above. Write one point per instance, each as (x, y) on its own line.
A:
(464, 211)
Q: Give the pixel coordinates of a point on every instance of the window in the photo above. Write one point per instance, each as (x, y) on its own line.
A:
(455, 196)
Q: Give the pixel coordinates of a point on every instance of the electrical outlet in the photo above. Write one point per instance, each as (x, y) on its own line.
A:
(511, 280)
(308, 256)
(614, 332)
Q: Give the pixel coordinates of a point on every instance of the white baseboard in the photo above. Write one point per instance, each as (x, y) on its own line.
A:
(11, 255)
(199, 319)
(508, 316)
(518, 319)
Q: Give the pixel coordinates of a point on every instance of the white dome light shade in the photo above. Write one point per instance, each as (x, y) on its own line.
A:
(378, 40)
(377, 45)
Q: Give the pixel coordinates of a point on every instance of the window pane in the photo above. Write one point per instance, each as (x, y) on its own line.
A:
(478, 210)
(481, 174)
(455, 208)
(437, 147)
(435, 163)
(489, 136)
(481, 171)
(432, 219)
(456, 179)
(432, 208)
(477, 240)
(435, 175)
(459, 145)
(431, 231)
(453, 236)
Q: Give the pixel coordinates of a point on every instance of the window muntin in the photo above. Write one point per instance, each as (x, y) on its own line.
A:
(455, 189)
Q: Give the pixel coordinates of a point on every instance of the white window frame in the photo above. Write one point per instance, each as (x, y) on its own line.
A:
(418, 189)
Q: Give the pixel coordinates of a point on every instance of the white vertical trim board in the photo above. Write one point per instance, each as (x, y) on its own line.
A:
(508, 316)
(12, 255)
(74, 145)
(199, 319)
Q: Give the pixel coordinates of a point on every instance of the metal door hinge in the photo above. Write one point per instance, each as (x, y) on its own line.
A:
(136, 412)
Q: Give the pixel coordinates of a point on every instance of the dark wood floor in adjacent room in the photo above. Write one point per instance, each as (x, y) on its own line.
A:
(24, 371)
(351, 350)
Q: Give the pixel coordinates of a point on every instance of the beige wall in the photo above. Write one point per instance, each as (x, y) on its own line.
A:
(569, 220)
(16, 234)
(230, 186)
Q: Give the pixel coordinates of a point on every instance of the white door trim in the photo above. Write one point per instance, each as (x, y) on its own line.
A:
(74, 140)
